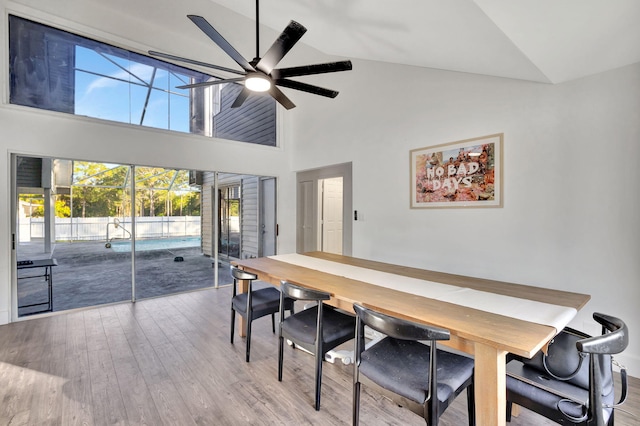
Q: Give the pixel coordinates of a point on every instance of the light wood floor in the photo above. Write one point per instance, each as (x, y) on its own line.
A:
(169, 361)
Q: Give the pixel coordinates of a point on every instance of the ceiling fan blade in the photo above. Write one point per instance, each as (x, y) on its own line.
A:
(214, 35)
(281, 98)
(210, 83)
(312, 69)
(242, 96)
(276, 93)
(316, 90)
(287, 39)
(191, 61)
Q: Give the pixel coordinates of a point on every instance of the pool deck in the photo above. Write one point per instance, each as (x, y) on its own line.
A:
(90, 274)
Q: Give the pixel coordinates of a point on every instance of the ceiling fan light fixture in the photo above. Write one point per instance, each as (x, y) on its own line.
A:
(257, 82)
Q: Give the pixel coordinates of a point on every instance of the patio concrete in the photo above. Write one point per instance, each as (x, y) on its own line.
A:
(90, 274)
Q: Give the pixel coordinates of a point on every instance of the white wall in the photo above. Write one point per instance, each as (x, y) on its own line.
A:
(571, 199)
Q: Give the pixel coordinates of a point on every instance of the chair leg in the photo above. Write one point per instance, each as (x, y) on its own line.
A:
(318, 379)
(471, 405)
(431, 412)
(273, 322)
(509, 410)
(233, 323)
(248, 338)
(280, 357)
(356, 403)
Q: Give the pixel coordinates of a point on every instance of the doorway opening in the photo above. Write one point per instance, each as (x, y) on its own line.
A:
(229, 217)
(324, 205)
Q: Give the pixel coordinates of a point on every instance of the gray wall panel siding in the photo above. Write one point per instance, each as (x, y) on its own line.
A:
(206, 212)
(29, 173)
(254, 122)
(249, 220)
(249, 211)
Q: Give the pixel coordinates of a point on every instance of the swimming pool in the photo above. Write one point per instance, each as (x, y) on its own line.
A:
(156, 244)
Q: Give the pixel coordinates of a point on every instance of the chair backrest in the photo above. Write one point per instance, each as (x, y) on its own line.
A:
(399, 328)
(239, 274)
(614, 339)
(302, 293)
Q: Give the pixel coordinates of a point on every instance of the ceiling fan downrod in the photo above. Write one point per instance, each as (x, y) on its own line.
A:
(257, 31)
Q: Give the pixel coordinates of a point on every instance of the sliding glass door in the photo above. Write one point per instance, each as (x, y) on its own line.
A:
(91, 233)
(168, 244)
(69, 217)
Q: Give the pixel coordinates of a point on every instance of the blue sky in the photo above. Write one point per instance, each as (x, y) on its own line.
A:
(106, 96)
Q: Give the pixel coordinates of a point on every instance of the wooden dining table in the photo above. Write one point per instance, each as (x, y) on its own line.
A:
(487, 336)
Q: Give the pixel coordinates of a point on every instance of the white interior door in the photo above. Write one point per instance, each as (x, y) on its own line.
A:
(332, 196)
(306, 219)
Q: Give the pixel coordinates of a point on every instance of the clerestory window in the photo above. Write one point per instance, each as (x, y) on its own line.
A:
(58, 71)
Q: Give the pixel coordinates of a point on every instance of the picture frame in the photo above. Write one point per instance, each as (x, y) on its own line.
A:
(465, 173)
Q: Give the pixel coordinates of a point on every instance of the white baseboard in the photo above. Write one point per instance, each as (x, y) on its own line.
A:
(5, 318)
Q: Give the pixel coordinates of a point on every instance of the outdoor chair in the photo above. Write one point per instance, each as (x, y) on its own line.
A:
(254, 304)
(317, 329)
(413, 374)
(573, 384)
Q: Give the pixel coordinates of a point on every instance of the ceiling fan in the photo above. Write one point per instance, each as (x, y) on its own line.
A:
(261, 74)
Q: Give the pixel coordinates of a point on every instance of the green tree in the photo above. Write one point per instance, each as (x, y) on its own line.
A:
(101, 189)
(98, 189)
(62, 209)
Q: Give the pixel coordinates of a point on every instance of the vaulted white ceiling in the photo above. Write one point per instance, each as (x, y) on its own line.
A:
(540, 40)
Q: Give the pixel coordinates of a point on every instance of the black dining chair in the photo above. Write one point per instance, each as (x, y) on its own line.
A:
(573, 384)
(317, 329)
(414, 374)
(254, 304)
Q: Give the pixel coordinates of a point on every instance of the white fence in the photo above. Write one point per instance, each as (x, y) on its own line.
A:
(103, 228)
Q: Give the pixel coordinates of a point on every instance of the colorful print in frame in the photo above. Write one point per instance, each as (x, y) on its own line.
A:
(465, 173)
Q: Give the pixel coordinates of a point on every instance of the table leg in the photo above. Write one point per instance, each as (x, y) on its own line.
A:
(243, 287)
(490, 385)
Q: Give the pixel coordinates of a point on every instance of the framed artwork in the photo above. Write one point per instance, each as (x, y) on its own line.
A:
(465, 173)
